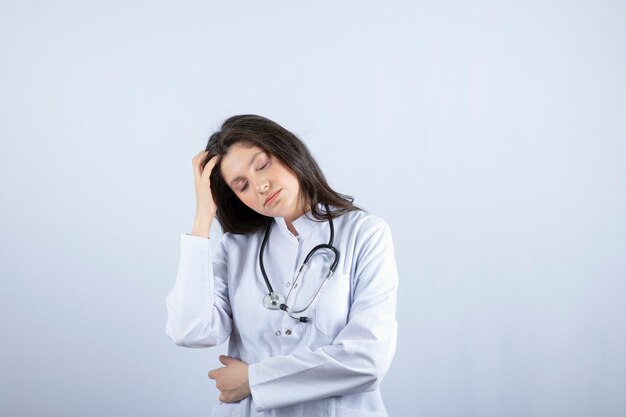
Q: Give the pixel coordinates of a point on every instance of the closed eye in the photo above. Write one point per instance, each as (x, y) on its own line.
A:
(245, 186)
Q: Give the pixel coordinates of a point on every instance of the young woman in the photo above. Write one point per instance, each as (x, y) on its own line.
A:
(303, 282)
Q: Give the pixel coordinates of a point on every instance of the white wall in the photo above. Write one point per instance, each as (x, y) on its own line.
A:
(490, 136)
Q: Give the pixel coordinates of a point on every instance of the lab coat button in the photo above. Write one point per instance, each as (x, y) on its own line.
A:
(288, 332)
(277, 332)
(288, 284)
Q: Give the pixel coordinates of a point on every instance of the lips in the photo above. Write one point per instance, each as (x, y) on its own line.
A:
(271, 198)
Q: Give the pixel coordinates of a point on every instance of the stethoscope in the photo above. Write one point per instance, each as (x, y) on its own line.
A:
(274, 300)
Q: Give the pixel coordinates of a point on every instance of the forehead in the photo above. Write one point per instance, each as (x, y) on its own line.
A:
(237, 160)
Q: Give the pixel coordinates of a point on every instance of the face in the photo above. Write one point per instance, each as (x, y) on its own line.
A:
(262, 182)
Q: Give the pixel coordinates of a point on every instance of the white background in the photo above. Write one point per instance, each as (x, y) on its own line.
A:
(490, 135)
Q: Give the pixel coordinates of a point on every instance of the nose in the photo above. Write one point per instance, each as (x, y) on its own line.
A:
(263, 185)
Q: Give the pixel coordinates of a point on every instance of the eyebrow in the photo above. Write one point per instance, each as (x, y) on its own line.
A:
(251, 161)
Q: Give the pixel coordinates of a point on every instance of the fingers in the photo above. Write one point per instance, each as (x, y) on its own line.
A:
(200, 153)
(213, 373)
(196, 163)
(228, 360)
(198, 160)
(225, 360)
(208, 168)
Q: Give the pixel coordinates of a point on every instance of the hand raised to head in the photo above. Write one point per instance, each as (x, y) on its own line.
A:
(206, 207)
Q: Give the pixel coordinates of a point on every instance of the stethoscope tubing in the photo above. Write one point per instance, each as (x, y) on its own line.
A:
(333, 266)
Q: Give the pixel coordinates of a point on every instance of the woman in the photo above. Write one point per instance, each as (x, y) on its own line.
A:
(310, 341)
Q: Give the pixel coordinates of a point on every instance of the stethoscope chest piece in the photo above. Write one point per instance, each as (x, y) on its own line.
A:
(273, 300)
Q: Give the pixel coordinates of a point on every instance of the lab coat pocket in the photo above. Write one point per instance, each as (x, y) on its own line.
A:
(333, 305)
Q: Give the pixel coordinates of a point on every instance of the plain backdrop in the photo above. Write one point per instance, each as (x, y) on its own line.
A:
(490, 135)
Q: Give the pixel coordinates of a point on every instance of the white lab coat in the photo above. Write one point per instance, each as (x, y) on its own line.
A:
(331, 366)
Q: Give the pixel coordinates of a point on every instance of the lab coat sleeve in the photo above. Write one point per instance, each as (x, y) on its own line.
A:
(361, 353)
(198, 307)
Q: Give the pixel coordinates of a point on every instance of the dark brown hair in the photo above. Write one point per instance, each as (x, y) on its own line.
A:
(234, 216)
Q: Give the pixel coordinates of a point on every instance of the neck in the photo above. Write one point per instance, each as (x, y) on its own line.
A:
(291, 228)
(289, 222)
(289, 219)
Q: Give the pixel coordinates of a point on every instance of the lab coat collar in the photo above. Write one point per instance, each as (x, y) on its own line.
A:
(303, 224)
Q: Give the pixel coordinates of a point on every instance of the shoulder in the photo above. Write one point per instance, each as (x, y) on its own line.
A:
(363, 219)
(362, 222)
(367, 242)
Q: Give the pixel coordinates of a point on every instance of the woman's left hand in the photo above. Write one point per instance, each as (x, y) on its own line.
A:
(231, 380)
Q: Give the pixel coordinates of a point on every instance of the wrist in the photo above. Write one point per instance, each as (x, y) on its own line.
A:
(201, 227)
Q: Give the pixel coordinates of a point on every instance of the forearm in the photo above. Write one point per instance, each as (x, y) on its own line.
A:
(202, 225)
(355, 363)
(197, 306)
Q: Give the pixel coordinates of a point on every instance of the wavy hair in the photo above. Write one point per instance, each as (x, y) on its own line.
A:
(249, 129)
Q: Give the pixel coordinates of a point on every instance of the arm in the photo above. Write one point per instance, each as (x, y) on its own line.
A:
(360, 354)
(198, 307)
